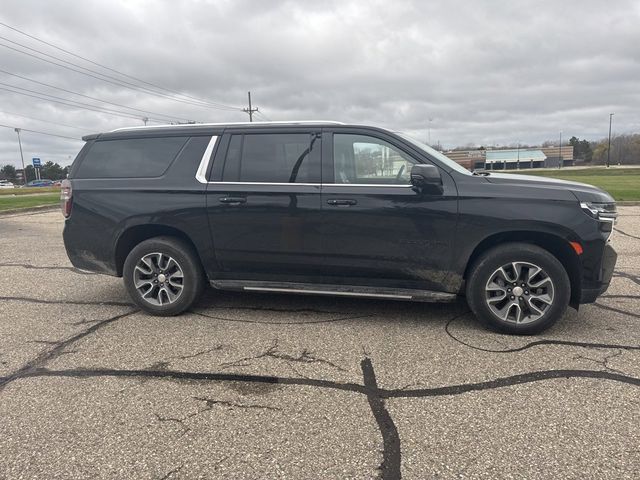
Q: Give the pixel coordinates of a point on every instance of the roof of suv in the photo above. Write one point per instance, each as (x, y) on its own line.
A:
(204, 128)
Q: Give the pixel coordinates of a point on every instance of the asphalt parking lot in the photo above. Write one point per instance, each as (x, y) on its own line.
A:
(270, 386)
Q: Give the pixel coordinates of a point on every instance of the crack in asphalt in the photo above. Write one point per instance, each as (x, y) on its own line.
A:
(629, 276)
(617, 310)
(391, 454)
(49, 355)
(236, 320)
(626, 234)
(272, 352)
(40, 267)
(534, 343)
(107, 303)
(605, 361)
(179, 421)
(210, 403)
(171, 472)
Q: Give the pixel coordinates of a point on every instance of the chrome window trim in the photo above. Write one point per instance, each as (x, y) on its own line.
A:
(365, 185)
(201, 173)
(280, 184)
(266, 183)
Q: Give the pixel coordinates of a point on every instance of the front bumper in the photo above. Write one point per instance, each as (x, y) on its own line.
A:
(609, 257)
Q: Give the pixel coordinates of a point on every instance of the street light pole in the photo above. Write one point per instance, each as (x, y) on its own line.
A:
(609, 149)
(24, 172)
(560, 151)
(518, 163)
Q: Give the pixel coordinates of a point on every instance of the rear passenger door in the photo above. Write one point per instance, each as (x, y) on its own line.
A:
(263, 204)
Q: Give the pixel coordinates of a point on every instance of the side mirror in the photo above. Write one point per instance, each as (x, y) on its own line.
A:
(426, 179)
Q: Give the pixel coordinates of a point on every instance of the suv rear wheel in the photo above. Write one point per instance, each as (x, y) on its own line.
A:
(163, 276)
(518, 288)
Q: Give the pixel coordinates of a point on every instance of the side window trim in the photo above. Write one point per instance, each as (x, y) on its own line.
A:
(203, 168)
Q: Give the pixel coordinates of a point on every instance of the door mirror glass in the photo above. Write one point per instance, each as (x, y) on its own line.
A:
(426, 179)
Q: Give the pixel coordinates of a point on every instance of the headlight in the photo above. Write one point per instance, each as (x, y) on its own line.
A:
(605, 212)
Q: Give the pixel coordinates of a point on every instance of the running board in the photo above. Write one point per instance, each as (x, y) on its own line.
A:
(335, 290)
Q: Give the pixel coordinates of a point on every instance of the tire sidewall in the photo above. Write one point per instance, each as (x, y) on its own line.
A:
(492, 260)
(188, 261)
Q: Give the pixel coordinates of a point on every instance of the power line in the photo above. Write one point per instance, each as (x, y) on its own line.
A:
(73, 103)
(41, 133)
(260, 113)
(45, 121)
(114, 70)
(93, 98)
(108, 78)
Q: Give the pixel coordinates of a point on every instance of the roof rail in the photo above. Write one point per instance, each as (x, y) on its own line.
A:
(293, 122)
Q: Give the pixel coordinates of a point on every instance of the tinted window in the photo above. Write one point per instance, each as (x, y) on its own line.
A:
(137, 157)
(364, 159)
(273, 158)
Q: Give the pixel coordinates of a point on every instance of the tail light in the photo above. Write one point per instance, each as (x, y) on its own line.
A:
(66, 198)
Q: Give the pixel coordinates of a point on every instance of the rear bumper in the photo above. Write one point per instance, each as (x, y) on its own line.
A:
(82, 255)
(609, 257)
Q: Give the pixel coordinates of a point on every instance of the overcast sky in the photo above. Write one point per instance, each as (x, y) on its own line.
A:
(485, 72)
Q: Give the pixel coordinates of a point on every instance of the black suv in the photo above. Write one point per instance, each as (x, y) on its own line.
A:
(335, 209)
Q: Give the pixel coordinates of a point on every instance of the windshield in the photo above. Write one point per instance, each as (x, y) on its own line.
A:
(435, 154)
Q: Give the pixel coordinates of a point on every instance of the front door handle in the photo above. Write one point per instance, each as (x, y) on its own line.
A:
(342, 202)
(233, 200)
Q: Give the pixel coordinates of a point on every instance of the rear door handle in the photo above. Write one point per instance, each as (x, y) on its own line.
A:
(342, 202)
(233, 200)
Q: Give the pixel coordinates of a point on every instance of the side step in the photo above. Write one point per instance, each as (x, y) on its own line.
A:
(335, 290)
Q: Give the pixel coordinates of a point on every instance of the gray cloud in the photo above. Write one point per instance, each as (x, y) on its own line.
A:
(487, 72)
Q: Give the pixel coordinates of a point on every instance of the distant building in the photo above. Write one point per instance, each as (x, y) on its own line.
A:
(513, 158)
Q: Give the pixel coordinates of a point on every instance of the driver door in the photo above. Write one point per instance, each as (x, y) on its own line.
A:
(376, 228)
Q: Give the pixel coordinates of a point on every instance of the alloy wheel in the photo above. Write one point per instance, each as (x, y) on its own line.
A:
(519, 292)
(158, 278)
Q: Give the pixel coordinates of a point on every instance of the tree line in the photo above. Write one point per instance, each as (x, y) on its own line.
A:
(49, 171)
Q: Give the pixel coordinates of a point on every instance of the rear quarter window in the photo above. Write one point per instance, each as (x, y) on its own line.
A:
(130, 158)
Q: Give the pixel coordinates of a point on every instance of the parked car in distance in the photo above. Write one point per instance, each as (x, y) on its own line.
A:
(331, 209)
(40, 183)
(6, 184)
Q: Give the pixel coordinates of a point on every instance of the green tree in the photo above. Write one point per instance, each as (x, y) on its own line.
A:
(9, 172)
(581, 149)
(30, 173)
(52, 171)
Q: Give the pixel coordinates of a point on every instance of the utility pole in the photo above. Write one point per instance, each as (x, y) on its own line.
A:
(24, 172)
(250, 110)
(560, 151)
(145, 120)
(609, 149)
(518, 163)
(429, 132)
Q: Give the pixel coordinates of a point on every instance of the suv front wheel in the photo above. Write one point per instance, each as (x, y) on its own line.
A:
(163, 276)
(518, 288)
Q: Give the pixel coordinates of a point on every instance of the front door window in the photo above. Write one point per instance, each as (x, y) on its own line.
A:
(361, 159)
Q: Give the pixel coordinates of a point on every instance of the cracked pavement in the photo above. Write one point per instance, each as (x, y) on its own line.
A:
(280, 386)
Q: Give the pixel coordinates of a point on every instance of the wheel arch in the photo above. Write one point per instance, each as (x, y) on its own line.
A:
(554, 244)
(136, 234)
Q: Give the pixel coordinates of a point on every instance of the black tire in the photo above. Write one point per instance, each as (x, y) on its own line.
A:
(187, 261)
(486, 287)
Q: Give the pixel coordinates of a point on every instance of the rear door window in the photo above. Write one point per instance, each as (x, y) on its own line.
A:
(130, 158)
(273, 158)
